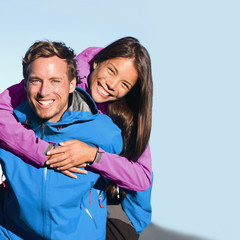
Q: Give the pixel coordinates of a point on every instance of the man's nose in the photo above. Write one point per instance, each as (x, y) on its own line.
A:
(44, 90)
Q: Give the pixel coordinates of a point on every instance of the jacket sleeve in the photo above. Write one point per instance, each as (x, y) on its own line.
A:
(135, 176)
(14, 137)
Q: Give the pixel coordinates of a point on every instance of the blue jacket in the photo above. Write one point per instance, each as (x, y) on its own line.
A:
(44, 203)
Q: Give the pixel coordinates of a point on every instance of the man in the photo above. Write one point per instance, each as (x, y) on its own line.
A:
(44, 203)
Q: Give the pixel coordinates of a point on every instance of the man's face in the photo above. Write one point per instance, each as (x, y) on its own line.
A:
(48, 87)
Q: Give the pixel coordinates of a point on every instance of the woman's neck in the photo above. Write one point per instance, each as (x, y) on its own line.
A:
(103, 108)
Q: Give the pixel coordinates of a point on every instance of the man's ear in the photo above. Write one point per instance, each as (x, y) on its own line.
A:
(72, 85)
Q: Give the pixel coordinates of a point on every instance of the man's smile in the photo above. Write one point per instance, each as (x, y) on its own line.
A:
(45, 103)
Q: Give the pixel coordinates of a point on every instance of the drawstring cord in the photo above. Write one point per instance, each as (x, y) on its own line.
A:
(90, 196)
(79, 79)
(100, 198)
(4, 185)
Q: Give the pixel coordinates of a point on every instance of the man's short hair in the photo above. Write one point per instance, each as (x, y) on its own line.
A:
(48, 49)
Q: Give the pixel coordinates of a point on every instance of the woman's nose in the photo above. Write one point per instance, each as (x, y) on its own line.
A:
(111, 84)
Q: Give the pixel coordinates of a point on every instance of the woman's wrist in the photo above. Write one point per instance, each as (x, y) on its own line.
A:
(93, 153)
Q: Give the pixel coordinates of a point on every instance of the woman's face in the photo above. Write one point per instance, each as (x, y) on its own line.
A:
(112, 79)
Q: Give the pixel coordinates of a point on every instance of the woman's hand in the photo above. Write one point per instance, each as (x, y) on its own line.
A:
(69, 172)
(69, 154)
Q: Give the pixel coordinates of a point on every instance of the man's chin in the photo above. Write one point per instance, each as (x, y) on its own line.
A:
(44, 118)
(49, 118)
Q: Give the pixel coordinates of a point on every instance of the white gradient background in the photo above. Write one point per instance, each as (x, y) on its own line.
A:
(195, 52)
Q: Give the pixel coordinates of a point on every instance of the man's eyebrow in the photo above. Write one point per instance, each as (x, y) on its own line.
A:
(52, 78)
(34, 77)
(55, 78)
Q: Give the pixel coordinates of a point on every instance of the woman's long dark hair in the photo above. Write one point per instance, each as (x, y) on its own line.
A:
(133, 112)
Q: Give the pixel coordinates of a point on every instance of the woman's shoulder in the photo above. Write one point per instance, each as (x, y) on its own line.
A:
(88, 53)
(83, 60)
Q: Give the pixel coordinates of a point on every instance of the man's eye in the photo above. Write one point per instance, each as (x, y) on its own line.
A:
(34, 81)
(55, 81)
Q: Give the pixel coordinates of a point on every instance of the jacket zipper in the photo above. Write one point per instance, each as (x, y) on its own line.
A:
(43, 129)
(44, 229)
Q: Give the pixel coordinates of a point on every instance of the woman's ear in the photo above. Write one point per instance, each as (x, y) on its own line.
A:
(95, 65)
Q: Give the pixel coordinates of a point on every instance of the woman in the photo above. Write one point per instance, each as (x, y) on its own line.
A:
(126, 95)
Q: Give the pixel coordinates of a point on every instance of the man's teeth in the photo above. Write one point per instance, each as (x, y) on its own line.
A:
(101, 90)
(45, 102)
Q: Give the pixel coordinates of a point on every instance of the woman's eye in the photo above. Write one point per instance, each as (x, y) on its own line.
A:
(110, 70)
(125, 85)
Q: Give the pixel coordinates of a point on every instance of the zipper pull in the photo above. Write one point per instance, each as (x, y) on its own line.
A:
(43, 128)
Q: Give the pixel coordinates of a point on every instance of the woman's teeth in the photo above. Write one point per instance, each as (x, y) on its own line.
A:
(102, 91)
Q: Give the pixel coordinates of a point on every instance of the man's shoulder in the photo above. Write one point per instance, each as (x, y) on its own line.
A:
(111, 134)
(107, 122)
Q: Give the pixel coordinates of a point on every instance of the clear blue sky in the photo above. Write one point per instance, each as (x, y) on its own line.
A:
(194, 47)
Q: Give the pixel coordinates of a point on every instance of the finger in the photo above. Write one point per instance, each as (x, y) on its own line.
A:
(78, 170)
(57, 150)
(64, 165)
(82, 165)
(68, 142)
(71, 165)
(69, 174)
(56, 159)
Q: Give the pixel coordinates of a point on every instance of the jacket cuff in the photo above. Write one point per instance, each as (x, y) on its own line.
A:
(98, 155)
(50, 146)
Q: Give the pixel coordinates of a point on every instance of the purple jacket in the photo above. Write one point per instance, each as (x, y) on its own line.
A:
(16, 138)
